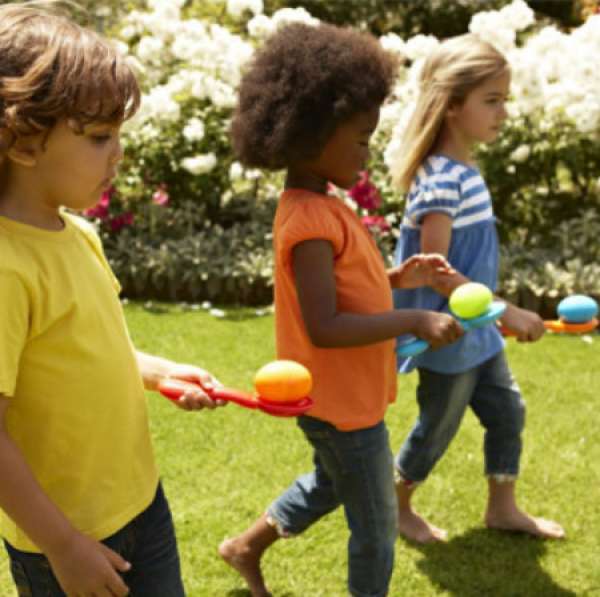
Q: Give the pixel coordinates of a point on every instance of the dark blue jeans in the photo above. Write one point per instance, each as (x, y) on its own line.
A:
(353, 469)
(491, 391)
(148, 542)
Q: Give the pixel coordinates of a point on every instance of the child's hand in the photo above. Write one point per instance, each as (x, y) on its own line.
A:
(437, 329)
(527, 325)
(421, 270)
(195, 398)
(85, 567)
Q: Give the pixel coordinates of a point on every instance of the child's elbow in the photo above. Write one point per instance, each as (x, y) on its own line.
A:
(321, 337)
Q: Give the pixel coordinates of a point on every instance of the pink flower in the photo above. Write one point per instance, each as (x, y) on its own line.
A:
(160, 196)
(121, 221)
(100, 210)
(365, 193)
(376, 223)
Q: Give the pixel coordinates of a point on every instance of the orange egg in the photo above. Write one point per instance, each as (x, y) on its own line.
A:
(283, 381)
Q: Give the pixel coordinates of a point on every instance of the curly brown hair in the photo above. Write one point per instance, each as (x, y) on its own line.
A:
(300, 86)
(51, 68)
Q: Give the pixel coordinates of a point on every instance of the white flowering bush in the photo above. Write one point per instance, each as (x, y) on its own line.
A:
(543, 171)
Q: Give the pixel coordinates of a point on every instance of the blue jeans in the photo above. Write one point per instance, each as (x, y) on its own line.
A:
(353, 469)
(148, 542)
(491, 391)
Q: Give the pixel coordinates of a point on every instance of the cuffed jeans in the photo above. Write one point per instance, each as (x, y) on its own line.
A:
(147, 542)
(491, 391)
(353, 469)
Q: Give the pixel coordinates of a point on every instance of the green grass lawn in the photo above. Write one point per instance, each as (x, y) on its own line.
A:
(221, 469)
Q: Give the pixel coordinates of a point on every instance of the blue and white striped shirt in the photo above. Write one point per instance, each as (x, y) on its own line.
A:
(444, 185)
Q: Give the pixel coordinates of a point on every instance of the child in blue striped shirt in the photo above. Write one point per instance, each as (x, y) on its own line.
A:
(464, 86)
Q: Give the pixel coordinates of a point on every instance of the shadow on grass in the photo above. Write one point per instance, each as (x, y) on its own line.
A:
(490, 563)
(246, 593)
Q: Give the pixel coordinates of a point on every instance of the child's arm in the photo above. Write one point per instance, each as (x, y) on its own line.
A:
(313, 263)
(436, 231)
(82, 565)
(154, 369)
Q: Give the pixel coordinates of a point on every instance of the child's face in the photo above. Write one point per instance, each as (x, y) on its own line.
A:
(73, 170)
(479, 118)
(346, 152)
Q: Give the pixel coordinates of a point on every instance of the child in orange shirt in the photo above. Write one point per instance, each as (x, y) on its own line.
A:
(309, 104)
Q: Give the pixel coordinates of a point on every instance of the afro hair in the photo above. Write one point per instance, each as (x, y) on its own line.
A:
(300, 86)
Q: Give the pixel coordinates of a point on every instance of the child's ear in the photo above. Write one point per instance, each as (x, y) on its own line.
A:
(452, 110)
(24, 150)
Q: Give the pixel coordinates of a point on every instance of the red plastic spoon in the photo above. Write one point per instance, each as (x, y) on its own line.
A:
(173, 389)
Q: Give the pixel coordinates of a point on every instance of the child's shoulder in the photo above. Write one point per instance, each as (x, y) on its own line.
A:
(308, 205)
(84, 227)
(442, 174)
(444, 168)
(79, 223)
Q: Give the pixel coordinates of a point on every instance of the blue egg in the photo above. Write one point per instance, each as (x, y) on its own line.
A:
(578, 308)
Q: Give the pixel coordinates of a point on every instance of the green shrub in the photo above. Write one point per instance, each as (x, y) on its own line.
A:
(178, 255)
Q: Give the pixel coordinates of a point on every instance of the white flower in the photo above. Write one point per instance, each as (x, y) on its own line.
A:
(236, 8)
(158, 5)
(393, 43)
(150, 49)
(121, 47)
(159, 104)
(128, 32)
(260, 27)
(518, 15)
(420, 46)
(194, 130)
(521, 153)
(217, 313)
(253, 174)
(222, 95)
(236, 171)
(285, 16)
(200, 164)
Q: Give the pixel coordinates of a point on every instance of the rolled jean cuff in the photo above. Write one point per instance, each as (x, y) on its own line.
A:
(502, 477)
(401, 479)
(274, 522)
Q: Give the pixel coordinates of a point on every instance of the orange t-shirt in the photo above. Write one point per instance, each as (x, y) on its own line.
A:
(351, 386)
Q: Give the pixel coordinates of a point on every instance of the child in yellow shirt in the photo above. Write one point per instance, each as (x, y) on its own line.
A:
(82, 511)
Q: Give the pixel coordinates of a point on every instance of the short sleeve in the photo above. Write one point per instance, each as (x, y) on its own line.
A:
(95, 243)
(14, 328)
(311, 219)
(439, 193)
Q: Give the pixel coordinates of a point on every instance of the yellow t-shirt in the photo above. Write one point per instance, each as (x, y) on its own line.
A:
(77, 409)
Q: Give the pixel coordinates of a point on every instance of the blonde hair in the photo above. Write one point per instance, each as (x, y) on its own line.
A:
(51, 68)
(450, 73)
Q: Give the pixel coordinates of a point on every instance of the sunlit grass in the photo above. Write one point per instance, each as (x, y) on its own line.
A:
(221, 469)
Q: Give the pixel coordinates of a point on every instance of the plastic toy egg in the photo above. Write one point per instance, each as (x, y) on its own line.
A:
(577, 309)
(283, 381)
(470, 300)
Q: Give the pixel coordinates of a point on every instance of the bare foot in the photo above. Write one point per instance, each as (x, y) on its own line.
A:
(415, 528)
(247, 563)
(521, 522)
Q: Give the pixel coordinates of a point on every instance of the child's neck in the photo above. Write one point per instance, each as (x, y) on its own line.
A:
(27, 212)
(307, 181)
(454, 147)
